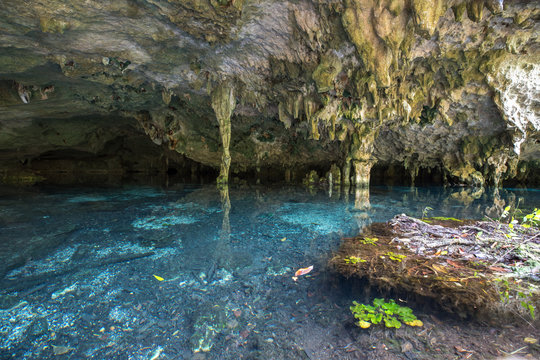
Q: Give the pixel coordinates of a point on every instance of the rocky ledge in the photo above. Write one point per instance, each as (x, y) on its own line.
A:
(414, 88)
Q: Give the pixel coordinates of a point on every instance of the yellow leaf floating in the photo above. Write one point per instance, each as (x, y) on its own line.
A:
(159, 278)
(530, 340)
(364, 324)
(284, 239)
(415, 323)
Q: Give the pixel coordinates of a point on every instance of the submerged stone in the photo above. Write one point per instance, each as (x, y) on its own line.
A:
(160, 223)
(206, 327)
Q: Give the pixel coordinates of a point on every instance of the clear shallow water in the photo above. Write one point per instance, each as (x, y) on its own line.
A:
(77, 267)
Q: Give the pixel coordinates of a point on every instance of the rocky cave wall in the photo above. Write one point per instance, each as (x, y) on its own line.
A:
(272, 87)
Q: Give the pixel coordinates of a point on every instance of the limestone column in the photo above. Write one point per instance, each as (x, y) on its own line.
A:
(346, 172)
(223, 103)
(362, 172)
(361, 154)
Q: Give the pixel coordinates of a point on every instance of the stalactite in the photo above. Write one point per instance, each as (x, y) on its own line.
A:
(223, 103)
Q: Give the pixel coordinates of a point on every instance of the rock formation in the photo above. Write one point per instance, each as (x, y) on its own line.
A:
(283, 87)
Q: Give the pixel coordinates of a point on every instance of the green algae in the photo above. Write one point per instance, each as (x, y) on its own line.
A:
(326, 72)
(427, 14)
(53, 25)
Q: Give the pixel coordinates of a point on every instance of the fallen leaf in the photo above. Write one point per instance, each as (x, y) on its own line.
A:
(498, 268)
(159, 278)
(284, 239)
(303, 271)
(244, 334)
(237, 313)
(439, 268)
(406, 346)
(530, 340)
(460, 349)
(454, 264)
(61, 350)
(364, 324)
(415, 323)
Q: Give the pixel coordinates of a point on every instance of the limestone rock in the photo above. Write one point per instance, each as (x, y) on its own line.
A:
(122, 86)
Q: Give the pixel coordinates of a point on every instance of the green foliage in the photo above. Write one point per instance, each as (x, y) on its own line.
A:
(395, 257)
(529, 220)
(388, 312)
(506, 292)
(368, 241)
(353, 260)
(428, 115)
(532, 219)
(445, 218)
(425, 211)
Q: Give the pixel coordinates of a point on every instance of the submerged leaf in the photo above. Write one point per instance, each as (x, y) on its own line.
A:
(61, 350)
(159, 278)
(364, 324)
(303, 271)
(414, 323)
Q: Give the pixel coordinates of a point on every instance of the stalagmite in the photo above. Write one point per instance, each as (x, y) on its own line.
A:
(360, 152)
(223, 103)
(362, 171)
(347, 172)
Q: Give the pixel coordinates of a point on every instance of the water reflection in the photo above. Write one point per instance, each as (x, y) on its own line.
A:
(223, 249)
(362, 207)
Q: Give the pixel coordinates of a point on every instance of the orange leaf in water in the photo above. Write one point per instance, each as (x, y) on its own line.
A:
(454, 264)
(303, 271)
(497, 268)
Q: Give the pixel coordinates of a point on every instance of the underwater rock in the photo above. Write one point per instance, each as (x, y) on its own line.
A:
(160, 223)
(206, 327)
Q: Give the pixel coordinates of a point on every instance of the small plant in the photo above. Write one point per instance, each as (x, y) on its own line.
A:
(425, 211)
(388, 311)
(394, 256)
(368, 241)
(532, 219)
(506, 293)
(353, 260)
(443, 218)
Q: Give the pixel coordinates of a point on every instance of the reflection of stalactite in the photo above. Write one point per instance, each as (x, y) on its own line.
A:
(495, 210)
(226, 207)
(361, 199)
(467, 196)
(223, 251)
(346, 190)
(361, 207)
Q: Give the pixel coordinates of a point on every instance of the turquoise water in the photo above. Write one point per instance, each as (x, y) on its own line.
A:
(154, 273)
